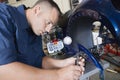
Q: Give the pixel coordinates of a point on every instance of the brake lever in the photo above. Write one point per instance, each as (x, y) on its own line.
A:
(77, 61)
(77, 56)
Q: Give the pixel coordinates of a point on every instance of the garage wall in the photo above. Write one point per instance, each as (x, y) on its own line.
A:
(63, 4)
(26, 2)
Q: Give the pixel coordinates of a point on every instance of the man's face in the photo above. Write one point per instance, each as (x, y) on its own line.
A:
(45, 21)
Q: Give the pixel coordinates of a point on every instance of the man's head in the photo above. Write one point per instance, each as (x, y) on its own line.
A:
(43, 16)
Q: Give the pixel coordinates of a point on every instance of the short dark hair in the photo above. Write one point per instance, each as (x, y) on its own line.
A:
(51, 2)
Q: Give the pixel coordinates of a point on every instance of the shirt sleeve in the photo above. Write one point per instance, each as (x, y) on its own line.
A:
(8, 51)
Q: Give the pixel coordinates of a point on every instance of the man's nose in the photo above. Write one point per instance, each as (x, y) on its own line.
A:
(49, 27)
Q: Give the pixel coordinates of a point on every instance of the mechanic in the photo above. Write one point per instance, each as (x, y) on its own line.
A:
(21, 54)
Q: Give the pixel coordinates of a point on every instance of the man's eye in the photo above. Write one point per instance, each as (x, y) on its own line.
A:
(49, 23)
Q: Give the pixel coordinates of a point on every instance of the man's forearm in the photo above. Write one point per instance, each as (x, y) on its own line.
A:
(50, 63)
(20, 71)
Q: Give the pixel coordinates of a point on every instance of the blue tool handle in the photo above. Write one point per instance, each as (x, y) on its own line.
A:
(82, 48)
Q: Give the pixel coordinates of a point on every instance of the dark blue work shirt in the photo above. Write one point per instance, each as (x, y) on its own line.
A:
(17, 41)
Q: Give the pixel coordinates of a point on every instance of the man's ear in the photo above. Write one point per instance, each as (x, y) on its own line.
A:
(37, 10)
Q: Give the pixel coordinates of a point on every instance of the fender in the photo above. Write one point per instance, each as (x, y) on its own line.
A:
(101, 10)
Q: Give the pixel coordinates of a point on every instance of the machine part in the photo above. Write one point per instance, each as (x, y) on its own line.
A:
(53, 41)
(55, 46)
(67, 40)
(101, 10)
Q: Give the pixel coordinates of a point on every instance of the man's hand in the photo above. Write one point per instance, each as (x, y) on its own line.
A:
(72, 72)
(72, 61)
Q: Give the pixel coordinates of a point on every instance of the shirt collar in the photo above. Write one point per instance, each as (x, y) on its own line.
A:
(22, 9)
